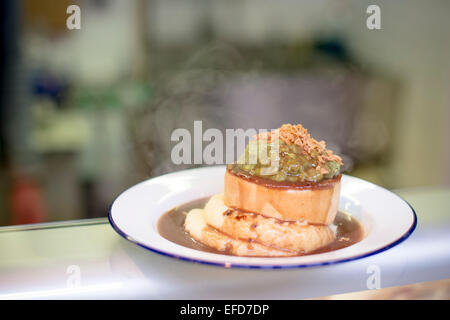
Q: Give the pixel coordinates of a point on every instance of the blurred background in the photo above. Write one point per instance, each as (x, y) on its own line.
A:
(86, 113)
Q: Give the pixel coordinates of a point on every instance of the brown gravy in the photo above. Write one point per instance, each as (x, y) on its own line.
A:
(171, 227)
(323, 184)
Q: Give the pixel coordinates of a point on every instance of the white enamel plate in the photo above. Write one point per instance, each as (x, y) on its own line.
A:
(386, 218)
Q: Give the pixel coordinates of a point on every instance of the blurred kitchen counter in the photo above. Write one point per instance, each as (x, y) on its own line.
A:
(86, 259)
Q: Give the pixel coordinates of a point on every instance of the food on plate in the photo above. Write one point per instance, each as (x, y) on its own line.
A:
(280, 198)
(306, 185)
(297, 236)
(315, 202)
(198, 228)
(301, 158)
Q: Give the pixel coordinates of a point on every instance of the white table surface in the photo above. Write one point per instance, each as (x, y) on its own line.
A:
(88, 260)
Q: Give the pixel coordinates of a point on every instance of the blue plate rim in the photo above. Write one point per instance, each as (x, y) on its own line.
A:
(271, 267)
